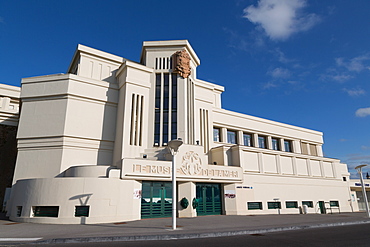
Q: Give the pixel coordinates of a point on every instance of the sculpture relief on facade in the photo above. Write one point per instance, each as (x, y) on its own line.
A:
(191, 163)
(182, 63)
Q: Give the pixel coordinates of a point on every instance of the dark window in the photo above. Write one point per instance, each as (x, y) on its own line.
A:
(254, 205)
(166, 99)
(344, 179)
(308, 204)
(247, 138)
(273, 205)
(275, 144)
(287, 146)
(82, 211)
(334, 204)
(231, 137)
(174, 107)
(291, 204)
(216, 135)
(157, 119)
(261, 142)
(19, 211)
(45, 211)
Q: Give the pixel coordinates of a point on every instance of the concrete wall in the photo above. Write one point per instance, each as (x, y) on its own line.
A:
(115, 203)
(66, 120)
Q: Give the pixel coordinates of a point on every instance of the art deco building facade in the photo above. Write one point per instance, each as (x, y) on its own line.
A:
(92, 146)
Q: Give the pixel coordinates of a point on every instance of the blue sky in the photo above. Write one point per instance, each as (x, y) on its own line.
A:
(305, 63)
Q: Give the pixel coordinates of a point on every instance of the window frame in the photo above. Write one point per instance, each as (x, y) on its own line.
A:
(274, 203)
(219, 134)
(277, 148)
(260, 138)
(80, 211)
(294, 204)
(308, 203)
(334, 204)
(260, 206)
(250, 139)
(45, 211)
(229, 136)
(290, 145)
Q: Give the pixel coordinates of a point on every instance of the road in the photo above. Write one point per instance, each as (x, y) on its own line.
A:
(355, 235)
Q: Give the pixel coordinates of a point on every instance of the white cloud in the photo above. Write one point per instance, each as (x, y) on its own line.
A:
(337, 77)
(278, 73)
(353, 160)
(354, 92)
(363, 112)
(355, 64)
(280, 18)
(282, 57)
(269, 85)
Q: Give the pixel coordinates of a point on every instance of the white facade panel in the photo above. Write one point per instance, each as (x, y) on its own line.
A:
(315, 168)
(302, 167)
(286, 165)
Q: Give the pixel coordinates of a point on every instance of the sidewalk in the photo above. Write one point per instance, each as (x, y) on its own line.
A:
(161, 229)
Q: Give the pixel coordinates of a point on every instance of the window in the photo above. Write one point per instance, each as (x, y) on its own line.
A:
(45, 211)
(82, 211)
(287, 146)
(274, 205)
(291, 204)
(231, 137)
(216, 135)
(308, 204)
(19, 211)
(334, 204)
(247, 138)
(157, 107)
(261, 142)
(275, 144)
(165, 108)
(304, 148)
(313, 150)
(254, 205)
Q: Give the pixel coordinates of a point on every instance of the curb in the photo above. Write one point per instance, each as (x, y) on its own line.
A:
(190, 235)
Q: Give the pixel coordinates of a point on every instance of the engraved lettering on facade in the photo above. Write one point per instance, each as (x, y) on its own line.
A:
(166, 170)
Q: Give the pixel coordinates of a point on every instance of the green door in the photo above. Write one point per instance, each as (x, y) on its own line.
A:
(322, 207)
(156, 199)
(209, 199)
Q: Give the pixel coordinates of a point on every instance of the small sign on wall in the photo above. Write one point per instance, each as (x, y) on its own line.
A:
(137, 194)
(230, 194)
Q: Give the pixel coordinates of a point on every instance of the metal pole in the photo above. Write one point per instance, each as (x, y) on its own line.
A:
(364, 193)
(174, 201)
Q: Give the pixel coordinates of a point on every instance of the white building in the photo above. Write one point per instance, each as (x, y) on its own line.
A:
(92, 146)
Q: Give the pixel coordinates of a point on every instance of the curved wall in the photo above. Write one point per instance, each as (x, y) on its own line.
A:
(109, 199)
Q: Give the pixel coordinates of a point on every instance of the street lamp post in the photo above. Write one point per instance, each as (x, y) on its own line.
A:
(359, 170)
(173, 146)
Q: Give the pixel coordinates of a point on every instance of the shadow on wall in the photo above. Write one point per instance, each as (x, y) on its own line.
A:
(82, 210)
(109, 118)
(8, 157)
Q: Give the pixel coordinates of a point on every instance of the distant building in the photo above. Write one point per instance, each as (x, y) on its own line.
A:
(92, 146)
(9, 114)
(356, 192)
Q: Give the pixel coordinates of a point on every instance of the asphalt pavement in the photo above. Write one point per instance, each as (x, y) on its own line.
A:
(161, 228)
